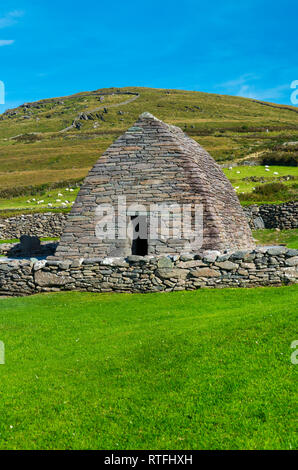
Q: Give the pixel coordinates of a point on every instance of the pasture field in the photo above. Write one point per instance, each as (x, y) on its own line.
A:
(264, 184)
(277, 237)
(209, 369)
(44, 199)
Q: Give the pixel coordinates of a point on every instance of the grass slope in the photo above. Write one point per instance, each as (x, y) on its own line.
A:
(277, 237)
(197, 370)
(263, 185)
(33, 151)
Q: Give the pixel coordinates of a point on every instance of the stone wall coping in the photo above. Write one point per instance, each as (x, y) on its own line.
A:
(208, 257)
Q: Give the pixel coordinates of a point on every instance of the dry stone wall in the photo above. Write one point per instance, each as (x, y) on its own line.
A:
(267, 266)
(40, 225)
(282, 216)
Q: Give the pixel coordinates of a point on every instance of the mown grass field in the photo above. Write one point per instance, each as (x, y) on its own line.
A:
(276, 237)
(197, 370)
(33, 151)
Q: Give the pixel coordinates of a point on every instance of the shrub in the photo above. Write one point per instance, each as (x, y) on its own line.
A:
(271, 192)
(283, 158)
(270, 189)
(27, 138)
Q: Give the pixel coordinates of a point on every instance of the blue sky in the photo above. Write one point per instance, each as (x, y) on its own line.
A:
(55, 48)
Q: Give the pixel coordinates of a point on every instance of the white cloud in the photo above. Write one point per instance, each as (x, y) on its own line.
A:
(247, 91)
(16, 13)
(10, 18)
(6, 42)
(250, 86)
(238, 81)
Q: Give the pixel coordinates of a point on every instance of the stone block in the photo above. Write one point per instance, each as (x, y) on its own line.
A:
(39, 265)
(47, 279)
(190, 264)
(165, 262)
(291, 252)
(205, 272)
(292, 261)
(277, 250)
(227, 265)
(165, 273)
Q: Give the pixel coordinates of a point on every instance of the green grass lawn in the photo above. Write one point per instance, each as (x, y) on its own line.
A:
(16, 240)
(277, 237)
(196, 370)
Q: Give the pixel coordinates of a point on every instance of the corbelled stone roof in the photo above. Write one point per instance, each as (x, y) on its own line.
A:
(153, 162)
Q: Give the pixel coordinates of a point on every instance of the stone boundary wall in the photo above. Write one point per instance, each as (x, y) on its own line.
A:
(282, 216)
(252, 162)
(266, 266)
(49, 224)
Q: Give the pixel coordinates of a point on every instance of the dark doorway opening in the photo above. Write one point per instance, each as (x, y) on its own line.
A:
(140, 235)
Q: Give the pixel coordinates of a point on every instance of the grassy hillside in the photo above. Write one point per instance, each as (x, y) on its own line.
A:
(154, 371)
(58, 140)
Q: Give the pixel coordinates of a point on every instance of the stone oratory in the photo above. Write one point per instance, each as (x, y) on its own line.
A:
(154, 164)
